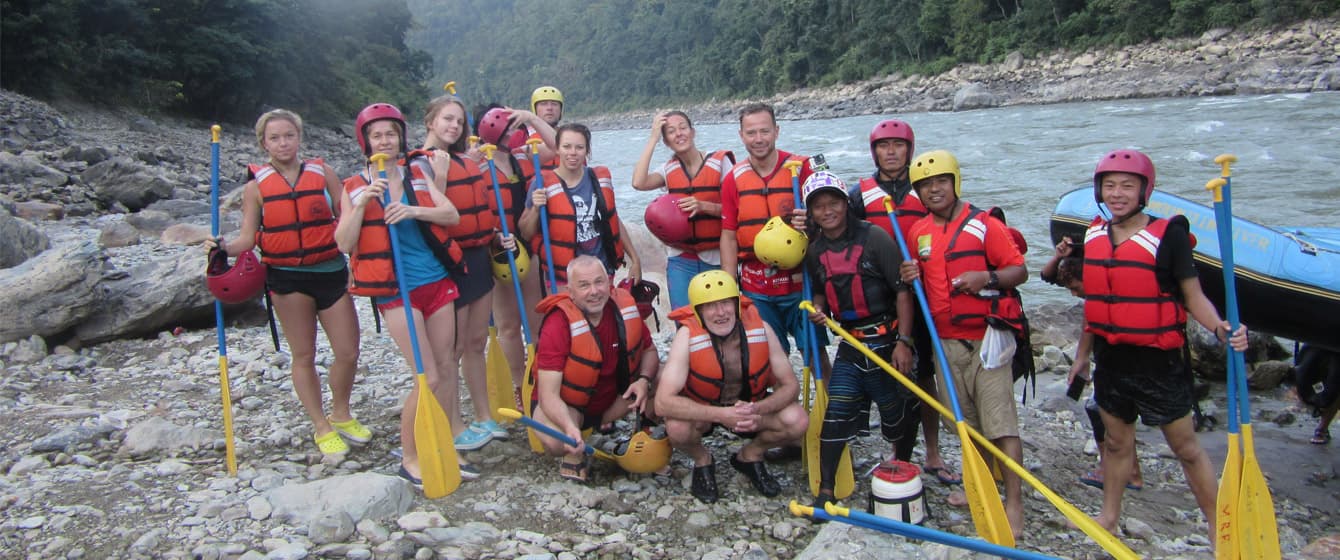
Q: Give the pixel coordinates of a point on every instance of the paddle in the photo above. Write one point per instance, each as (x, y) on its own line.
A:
(1079, 518)
(438, 466)
(230, 453)
(528, 385)
(1257, 535)
(844, 482)
(1227, 512)
(988, 512)
(514, 414)
(488, 150)
(892, 526)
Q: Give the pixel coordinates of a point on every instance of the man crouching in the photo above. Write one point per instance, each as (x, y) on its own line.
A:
(704, 384)
(595, 361)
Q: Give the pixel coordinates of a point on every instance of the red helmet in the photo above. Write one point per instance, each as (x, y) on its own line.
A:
(666, 221)
(1125, 161)
(644, 292)
(493, 124)
(238, 283)
(894, 128)
(377, 112)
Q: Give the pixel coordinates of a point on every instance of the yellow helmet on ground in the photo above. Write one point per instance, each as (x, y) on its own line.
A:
(501, 270)
(545, 93)
(780, 245)
(931, 164)
(645, 454)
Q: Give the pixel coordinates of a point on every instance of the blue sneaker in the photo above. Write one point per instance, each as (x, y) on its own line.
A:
(490, 426)
(472, 439)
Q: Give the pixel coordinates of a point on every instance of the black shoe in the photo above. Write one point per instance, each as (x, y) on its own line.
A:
(758, 475)
(825, 497)
(783, 453)
(704, 485)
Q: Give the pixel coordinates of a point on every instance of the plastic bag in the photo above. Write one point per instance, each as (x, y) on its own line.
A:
(997, 348)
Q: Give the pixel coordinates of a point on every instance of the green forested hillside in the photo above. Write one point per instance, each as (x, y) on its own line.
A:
(619, 54)
(217, 59)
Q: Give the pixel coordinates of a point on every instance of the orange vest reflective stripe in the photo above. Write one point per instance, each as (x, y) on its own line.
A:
(872, 198)
(967, 253)
(563, 223)
(1123, 301)
(471, 193)
(581, 372)
(373, 272)
(760, 201)
(297, 225)
(706, 377)
(705, 230)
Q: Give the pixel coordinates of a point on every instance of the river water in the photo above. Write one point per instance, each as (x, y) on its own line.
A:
(1024, 158)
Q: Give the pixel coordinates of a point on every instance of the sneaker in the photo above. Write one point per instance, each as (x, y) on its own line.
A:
(331, 444)
(491, 426)
(469, 471)
(472, 439)
(417, 482)
(353, 430)
(704, 485)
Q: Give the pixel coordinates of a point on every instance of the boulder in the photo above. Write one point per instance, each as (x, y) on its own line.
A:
(1269, 374)
(181, 209)
(150, 221)
(22, 240)
(51, 292)
(360, 496)
(157, 434)
(28, 171)
(184, 234)
(39, 211)
(125, 181)
(167, 289)
(974, 96)
(119, 234)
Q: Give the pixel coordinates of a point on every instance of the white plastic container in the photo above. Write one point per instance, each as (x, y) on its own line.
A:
(896, 492)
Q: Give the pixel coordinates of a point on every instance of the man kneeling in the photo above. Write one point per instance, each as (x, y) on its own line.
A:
(704, 384)
(594, 361)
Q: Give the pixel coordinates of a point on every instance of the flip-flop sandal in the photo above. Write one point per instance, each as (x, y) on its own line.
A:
(1091, 479)
(944, 475)
(577, 472)
(1320, 437)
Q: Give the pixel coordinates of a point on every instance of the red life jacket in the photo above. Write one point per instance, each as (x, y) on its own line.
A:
(872, 198)
(563, 222)
(706, 378)
(513, 188)
(582, 370)
(967, 253)
(373, 272)
(759, 202)
(297, 225)
(1123, 301)
(471, 193)
(857, 294)
(705, 230)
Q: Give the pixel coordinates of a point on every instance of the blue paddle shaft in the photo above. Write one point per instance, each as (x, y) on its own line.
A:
(807, 292)
(560, 436)
(511, 259)
(1222, 217)
(930, 321)
(1237, 365)
(400, 278)
(544, 225)
(214, 232)
(908, 530)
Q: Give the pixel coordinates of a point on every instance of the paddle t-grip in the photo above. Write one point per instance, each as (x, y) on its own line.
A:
(214, 133)
(487, 149)
(794, 167)
(534, 144)
(449, 87)
(1217, 187)
(1224, 160)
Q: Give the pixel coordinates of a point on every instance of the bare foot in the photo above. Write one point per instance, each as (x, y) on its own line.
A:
(957, 498)
(1014, 513)
(1107, 525)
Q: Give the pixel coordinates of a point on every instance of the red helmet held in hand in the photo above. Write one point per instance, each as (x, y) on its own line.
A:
(242, 281)
(667, 221)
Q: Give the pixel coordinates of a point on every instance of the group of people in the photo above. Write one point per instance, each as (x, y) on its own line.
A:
(737, 271)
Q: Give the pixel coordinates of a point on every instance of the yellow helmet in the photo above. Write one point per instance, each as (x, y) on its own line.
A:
(645, 454)
(931, 164)
(780, 245)
(501, 270)
(545, 93)
(710, 286)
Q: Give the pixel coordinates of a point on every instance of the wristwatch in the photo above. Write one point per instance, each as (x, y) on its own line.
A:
(994, 282)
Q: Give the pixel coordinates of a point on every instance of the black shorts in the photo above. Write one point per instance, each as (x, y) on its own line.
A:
(325, 288)
(1131, 381)
(477, 282)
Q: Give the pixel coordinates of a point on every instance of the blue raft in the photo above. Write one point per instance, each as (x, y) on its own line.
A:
(1288, 278)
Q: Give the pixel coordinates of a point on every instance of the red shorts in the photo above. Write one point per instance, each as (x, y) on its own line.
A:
(428, 298)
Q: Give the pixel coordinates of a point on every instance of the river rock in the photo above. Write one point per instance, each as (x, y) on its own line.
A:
(1269, 374)
(166, 290)
(118, 234)
(183, 209)
(1323, 548)
(150, 221)
(974, 96)
(29, 172)
(22, 240)
(66, 439)
(51, 292)
(39, 211)
(184, 234)
(330, 527)
(89, 155)
(125, 181)
(360, 496)
(157, 434)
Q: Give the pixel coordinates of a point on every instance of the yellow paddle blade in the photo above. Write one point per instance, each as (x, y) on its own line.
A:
(1227, 513)
(438, 465)
(844, 482)
(810, 457)
(988, 512)
(1259, 535)
(499, 373)
(230, 451)
(527, 389)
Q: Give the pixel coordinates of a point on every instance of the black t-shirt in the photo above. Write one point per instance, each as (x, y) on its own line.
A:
(1174, 262)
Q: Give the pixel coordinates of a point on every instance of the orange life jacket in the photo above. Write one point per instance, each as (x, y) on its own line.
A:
(1123, 301)
(373, 272)
(471, 193)
(563, 223)
(582, 370)
(967, 253)
(872, 198)
(705, 230)
(523, 151)
(297, 225)
(759, 202)
(706, 378)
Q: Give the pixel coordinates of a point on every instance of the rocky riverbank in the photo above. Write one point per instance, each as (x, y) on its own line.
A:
(1299, 58)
